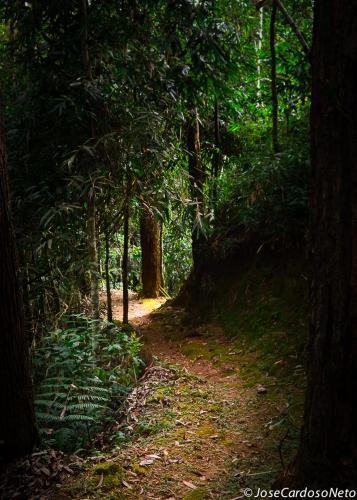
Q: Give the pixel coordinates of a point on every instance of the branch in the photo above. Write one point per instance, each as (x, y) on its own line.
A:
(260, 3)
(294, 27)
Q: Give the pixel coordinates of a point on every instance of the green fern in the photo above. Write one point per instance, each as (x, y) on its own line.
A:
(77, 389)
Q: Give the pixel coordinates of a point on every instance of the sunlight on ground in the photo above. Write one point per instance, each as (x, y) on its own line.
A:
(138, 307)
(152, 304)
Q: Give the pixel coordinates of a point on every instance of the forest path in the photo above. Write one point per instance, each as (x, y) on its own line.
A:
(138, 308)
(193, 429)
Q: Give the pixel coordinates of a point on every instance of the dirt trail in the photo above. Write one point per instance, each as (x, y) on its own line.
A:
(138, 308)
(196, 430)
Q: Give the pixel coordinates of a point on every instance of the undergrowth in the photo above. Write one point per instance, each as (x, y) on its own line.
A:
(83, 373)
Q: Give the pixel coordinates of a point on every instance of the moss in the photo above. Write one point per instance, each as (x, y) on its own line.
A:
(206, 430)
(214, 408)
(196, 393)
(199, 494)
(164, 391)
(112, 481)
(227, 442)
(80, 486)
(135, 467)
(107, 468)
(148, 428)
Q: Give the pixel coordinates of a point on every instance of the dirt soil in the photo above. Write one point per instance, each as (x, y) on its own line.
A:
(194, 429)
(205, 421)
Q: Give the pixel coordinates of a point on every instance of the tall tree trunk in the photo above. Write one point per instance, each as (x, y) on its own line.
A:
(93, 255)
(197, 179)
(328, 449)
(17, 419)
(162, 263)
(126, 263)
(274, 91)
(259, 48)
(91, 222)
(150, 253)
(107, 278)
(217, 155)
(86, 64)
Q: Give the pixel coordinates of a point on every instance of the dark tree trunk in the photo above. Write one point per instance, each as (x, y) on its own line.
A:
(274, 91)
(217, 155)
(150, 253)
(162, 263)
(17, 420)
(86, 64)
(107, 279)
(328, 449)
(196, 173)
(93, 255)
(126, 264)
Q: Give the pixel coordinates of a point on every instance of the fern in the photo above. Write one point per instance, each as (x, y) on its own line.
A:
(85, 406)
(77, 389)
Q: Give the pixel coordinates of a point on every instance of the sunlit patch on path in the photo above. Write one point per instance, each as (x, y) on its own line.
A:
(138, 307)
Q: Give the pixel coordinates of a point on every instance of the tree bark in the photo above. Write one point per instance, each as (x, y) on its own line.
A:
(260, 4)
(107, 279)
(17, 419)
(217, 155)
(86, 64)
(150, 254)
(93, 255)
(196, 173)
(259, 48)
(126, 263)
(328, 450)
(274, 91)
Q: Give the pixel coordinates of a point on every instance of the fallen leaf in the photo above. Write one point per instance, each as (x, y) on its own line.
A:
(190, 485)
(154, 457)
(144, 463)
(45, 471)
(100, 481)
(127, 485)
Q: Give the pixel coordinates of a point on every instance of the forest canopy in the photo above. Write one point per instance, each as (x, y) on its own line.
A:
(164, 177)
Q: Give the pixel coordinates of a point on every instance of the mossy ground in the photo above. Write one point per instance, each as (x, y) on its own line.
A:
(208, 432)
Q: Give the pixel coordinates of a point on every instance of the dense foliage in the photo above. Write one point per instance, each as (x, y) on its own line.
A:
(83, 372)
(100, 101)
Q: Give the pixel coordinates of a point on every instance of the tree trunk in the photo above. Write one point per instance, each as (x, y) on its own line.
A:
(274, 91)
(259, 49)
(162, 263)
(328, 450)
(150, 253)
(86, 64)
(107, 279)
(217, 155)
(93, 256)
(126, 264)
(197, 178)
(17, 419)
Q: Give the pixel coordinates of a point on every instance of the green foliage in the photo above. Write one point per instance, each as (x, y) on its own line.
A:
(82, 375)
(120, 130)
(268, 194)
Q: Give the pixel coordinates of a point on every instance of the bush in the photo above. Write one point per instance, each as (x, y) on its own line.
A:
(83, 372)
(268, 195)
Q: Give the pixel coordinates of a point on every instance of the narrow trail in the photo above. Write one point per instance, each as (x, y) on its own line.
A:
(197, 430)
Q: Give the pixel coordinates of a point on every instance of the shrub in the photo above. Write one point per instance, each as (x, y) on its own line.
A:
(83, 372)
